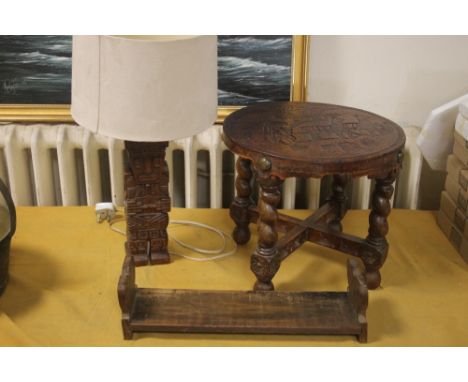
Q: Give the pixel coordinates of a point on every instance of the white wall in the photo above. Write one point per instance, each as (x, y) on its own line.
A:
(399, 77)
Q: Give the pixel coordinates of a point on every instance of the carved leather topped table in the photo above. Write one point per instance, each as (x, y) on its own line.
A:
(286, 139)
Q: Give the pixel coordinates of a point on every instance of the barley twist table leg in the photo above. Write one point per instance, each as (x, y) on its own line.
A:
(338, 197)
(378, 229)
(239, 210)
(265, 261)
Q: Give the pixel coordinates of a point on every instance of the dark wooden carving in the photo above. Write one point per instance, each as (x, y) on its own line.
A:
(286, 139)
(358, 296)
(265, 261)
(204, 311)
(280, 140)
(339, 199)
(378, 228)
(147, 202)
(240, 206)
(314, 139)
(126, 292)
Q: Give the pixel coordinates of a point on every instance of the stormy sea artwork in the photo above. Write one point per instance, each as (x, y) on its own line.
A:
(253, 69)
(37, 69)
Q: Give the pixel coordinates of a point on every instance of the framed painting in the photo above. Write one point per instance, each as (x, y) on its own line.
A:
(35, 74)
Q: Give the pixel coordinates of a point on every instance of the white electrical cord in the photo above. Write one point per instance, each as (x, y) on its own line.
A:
(219, 253)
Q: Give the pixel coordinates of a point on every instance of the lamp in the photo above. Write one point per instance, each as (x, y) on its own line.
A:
(145, 90)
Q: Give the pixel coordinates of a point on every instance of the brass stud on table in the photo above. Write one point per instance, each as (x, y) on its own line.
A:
(264, 164)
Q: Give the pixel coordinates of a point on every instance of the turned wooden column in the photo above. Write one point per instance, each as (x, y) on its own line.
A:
(338, 198)
(265, 261)
(147, 202)
(378, 229)
(239, 210)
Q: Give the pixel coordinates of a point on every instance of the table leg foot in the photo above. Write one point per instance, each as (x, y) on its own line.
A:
(160, 258)
(127, 332)
(373, 259)
(138, 249)
(362, 337)
(241, 235)
(264, 267)
(373, 279)
(158, 246)
(263, 287)
(140, 259)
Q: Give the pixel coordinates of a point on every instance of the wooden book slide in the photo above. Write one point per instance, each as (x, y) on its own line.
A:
(248, 312)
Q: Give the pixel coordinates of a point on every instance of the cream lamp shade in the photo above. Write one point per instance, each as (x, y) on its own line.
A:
(144, 88)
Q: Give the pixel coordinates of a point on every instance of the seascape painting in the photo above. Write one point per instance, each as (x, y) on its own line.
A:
(37, 69)
(253, 69)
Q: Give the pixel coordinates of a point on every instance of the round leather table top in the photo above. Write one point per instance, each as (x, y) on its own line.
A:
(314, 138)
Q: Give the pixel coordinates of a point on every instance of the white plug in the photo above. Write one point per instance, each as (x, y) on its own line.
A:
(104, 211)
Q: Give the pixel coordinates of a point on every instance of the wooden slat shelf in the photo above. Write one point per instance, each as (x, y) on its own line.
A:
(248, 312)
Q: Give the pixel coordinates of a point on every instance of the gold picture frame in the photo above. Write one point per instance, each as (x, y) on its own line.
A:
(61, 113)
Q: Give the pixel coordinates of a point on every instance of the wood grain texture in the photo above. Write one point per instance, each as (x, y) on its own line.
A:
(358, 296)
(196, 311)
(147, 202)
(338, 198)
(286, 139)
(242, 201)
(314, 139)
(378, 228)
(265, 261)
(126, 290)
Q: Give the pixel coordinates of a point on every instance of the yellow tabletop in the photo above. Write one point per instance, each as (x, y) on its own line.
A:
(65, 268)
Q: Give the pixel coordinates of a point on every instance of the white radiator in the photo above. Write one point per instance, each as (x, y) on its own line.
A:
(47, 164)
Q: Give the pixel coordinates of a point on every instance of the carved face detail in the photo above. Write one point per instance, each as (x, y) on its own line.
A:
(146, 169)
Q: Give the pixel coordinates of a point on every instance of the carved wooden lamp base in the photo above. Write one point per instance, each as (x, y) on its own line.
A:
(147, 202)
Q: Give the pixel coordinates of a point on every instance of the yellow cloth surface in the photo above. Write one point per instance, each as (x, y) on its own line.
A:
(65, 268)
